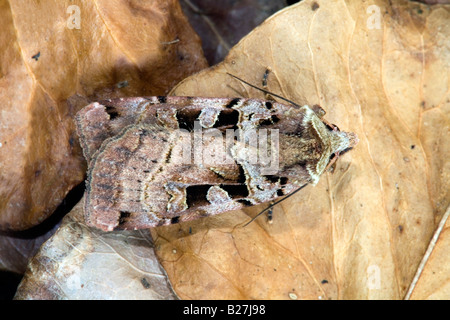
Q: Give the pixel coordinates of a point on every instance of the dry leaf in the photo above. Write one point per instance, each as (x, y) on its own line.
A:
(81, 263)
(17, 248)
(56, 57)
(361, 233)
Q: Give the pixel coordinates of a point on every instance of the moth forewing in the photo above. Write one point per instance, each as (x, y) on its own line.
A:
(161, 160)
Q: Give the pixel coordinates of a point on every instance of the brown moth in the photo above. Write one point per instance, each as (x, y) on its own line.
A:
(148, 166)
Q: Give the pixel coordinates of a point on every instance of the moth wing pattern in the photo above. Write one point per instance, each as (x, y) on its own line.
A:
(101, 120)
(136, 180)
(134, 145)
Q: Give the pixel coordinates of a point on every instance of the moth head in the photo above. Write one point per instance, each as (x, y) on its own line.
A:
(335, 142)
(340, 140)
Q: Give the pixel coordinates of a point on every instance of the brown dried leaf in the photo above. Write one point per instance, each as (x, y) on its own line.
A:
(16, 250)
(49, 69)
(82, 263)
(363, 230)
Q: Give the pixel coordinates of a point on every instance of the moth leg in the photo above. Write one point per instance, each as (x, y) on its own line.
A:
(321, 113)
(265, 76)
(270, 213)
(267, 96)
(269, 210)
(332, 162)
(330, 125)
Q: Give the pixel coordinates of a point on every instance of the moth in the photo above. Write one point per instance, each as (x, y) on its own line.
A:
(155, 161)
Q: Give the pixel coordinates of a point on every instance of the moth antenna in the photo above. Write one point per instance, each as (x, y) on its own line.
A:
(263, 90)
(273, 204)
